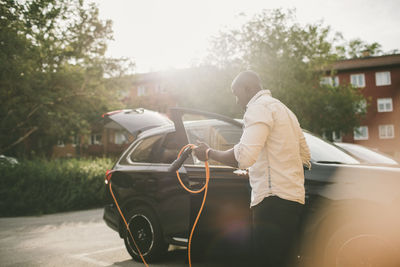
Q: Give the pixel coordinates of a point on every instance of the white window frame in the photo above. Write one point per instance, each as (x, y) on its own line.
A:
(160, 88)
(355, 80)
(385, 130)
(329, 80)
(141, 90)
(357, 131)
(387, 104)
(382, 78)
(93, 139)
(60, 143)
(120, 138)
(337, 136)
(361, 106)
(75, 140)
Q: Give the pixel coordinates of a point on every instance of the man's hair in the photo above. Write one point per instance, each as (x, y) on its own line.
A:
(248, 79)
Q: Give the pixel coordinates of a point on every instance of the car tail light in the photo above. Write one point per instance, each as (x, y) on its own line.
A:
(108, 176)
(112, 113)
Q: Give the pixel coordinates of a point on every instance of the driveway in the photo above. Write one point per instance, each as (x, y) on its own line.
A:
(68, 239)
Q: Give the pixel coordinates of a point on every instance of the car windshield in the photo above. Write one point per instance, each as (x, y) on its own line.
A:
(367, 155)
(325, 152)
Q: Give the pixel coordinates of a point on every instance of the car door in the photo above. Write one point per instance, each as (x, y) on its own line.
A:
(224, 226)
(173, 200)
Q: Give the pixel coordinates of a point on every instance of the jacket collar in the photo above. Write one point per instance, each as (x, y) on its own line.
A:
(256, 96)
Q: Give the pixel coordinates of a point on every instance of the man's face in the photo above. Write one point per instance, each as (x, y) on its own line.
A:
(241, 95)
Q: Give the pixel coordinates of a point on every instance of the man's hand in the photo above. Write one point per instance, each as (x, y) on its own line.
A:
(200, 151)
(225, 157)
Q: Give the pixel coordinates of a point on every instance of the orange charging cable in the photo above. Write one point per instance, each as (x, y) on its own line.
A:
(204, 188)
(126, 224)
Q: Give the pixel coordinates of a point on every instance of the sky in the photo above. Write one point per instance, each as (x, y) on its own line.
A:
(166, 34)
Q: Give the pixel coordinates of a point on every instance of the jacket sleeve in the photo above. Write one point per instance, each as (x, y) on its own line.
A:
(258, 121)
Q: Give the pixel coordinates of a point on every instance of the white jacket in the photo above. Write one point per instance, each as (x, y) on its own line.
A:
(274, 150)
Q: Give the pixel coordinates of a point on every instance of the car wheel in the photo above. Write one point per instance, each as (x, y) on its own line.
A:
(147, 233)
(354, 245)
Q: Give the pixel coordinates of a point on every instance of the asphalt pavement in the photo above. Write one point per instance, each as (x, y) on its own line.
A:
(68, 239)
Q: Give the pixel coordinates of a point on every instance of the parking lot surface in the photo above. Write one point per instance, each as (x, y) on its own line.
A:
(68, 239)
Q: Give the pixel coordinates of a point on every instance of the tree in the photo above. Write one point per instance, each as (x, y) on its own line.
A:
(52, 72)
(357, 48)
(291, 59)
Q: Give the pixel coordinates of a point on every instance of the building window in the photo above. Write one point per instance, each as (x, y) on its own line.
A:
(337, 136)
(332, 81)
(385, 105)
(95, 139)
(361, 133)
(160, 89)
(141, 91)
(382, 78)
(361, 106)
(60, 143)
(357, 80)
(75, 140)
(120, 138)
(386, 131)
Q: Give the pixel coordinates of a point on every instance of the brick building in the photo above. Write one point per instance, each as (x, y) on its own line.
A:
(152, 90)
(379, 78)
(148, 90)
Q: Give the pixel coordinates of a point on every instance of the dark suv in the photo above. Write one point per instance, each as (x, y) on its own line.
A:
(351, 214)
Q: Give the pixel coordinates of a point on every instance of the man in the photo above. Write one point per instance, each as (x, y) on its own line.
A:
(273, 149)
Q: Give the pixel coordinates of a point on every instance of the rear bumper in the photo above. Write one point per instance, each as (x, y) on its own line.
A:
(111, 217)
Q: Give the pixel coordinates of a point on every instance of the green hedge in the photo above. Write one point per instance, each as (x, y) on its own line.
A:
(39, 186)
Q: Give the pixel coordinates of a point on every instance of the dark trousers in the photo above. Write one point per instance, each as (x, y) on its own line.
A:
(275, 223)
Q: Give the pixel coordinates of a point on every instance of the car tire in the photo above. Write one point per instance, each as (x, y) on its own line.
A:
(355, 244)
(147, 232)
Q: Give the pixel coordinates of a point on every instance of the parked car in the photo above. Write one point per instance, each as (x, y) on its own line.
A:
(367, 155)
(5, 160)
(351, 214)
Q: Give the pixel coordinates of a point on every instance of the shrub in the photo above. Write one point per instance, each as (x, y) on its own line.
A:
(39, 186)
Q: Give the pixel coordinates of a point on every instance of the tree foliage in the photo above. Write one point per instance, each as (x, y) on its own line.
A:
(357, 48)
(52, 72)
(291, 59)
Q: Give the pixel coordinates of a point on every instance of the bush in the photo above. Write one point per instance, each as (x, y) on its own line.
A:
(39, 186)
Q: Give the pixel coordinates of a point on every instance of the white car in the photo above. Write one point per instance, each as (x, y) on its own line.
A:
(8, 160)
(367, 155)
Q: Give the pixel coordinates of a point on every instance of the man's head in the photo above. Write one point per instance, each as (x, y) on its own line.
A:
(245, 86)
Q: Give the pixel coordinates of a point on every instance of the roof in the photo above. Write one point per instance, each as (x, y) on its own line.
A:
(367, 62)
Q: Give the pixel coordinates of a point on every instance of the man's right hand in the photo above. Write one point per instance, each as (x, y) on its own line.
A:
(200, 151)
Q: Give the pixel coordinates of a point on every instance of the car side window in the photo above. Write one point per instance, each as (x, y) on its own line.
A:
(225, 137)
(217, 134)
(146, 150)
(169, 149)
